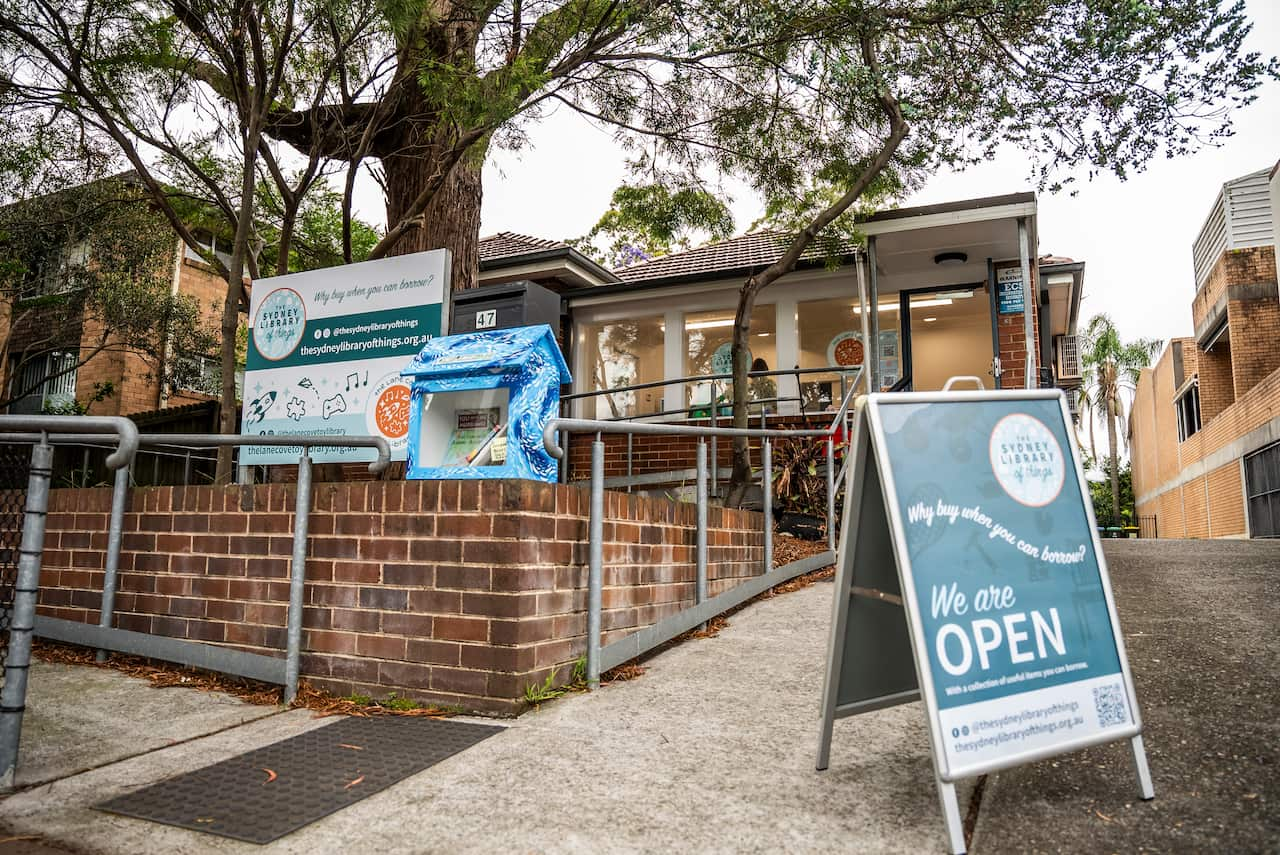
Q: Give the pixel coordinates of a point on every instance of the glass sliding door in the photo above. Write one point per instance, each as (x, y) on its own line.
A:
(950, 336)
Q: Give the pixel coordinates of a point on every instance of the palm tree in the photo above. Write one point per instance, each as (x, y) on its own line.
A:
(1111, 369)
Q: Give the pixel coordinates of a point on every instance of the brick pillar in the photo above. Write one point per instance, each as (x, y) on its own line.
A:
(1013, 336)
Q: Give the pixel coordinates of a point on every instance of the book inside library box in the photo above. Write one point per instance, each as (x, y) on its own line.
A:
(464, 428)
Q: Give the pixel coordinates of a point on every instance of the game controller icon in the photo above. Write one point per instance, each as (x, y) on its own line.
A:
(332, 406)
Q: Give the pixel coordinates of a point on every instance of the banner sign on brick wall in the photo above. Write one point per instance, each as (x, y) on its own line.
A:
(326, 348)
(999, 615)
(1009, 291)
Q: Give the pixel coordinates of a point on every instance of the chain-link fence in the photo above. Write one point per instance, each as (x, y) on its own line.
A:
(14, 463)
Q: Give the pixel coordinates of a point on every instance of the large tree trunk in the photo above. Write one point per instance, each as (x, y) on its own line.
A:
(451, 220)
(1115, 463)
(740, 480)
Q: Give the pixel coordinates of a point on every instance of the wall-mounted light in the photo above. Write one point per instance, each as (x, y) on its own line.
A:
(951, 258)
(929, 320)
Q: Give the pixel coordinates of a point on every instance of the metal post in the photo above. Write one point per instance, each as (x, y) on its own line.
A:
(630, 437)
(700, 554)
(951, 815)
(1029, 295)
(186, 470)
(715, 456)
(1141, 769)
(595, 573)
(297, 576)
(831, 493)
(115, 533)
(84, 470)
(13, 697)
(871, 313)
(766, 487)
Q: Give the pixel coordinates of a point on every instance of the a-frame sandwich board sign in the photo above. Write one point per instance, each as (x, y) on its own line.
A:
(969, 575)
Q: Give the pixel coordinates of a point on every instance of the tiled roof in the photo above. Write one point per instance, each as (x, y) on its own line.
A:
(507, 244)
(758, 249)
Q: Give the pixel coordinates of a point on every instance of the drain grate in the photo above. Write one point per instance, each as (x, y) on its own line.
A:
(265, 794)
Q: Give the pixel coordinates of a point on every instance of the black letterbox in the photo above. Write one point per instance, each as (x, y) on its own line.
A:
(503, 306)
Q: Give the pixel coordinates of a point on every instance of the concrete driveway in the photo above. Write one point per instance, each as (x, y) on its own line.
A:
(712, 750)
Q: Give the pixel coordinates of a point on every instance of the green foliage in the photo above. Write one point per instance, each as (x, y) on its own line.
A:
(1111, 369)
(89, 270)
(1104, 507)
(101, 391)
(316, 241)
(547, 690)
(393, 702)
(799, 476)
(648, 220)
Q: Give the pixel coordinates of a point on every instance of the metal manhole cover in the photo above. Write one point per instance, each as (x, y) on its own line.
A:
(265, 794)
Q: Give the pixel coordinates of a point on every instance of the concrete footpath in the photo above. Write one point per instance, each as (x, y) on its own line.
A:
(712, 749)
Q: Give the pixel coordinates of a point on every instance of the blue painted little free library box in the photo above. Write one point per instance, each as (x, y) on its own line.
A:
(479, 403)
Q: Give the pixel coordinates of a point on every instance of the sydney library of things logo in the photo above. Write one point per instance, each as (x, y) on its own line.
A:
(1027, 460)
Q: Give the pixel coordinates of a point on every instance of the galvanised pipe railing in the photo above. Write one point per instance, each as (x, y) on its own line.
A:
(595, 553)
(302, 511)
(17, 665)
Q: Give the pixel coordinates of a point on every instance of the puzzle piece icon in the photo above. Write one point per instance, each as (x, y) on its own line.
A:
(334, 405)
(297, 409)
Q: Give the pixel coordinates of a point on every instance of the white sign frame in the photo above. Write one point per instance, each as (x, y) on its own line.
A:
(873, 446)
(340, 286)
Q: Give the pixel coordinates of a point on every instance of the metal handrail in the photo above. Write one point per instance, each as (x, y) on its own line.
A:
(219, 440)
(554, 426)
(50, 428)
(595, 528)
(302, 506)
(13, 697)
(697, 378)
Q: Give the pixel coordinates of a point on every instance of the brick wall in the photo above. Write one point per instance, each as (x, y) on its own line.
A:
(453, 592)
(1255, 340)
(1239, 392)
(1235, 266)
(1013, 340)
(1217, 388)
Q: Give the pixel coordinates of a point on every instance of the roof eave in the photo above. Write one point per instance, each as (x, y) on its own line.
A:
(700, 276)
(559, 253)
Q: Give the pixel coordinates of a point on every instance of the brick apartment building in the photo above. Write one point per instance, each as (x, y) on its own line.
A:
(135, 383)
(1206, 418)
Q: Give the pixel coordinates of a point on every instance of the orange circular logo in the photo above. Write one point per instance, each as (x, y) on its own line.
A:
(391, 413)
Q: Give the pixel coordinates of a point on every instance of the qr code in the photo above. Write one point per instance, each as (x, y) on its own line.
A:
(1109, 702)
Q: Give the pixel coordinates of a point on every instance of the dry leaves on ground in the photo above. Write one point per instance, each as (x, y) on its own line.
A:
(162, 675)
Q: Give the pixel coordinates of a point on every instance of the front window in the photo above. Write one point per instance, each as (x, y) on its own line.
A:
(708, 340)
(47, 383)
(830, 334)
(56, 270)
(210, 243)
(1188, 408)
(203, 375)
(621, 354)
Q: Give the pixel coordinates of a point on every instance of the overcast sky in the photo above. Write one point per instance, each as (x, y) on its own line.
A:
(1135, 236)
